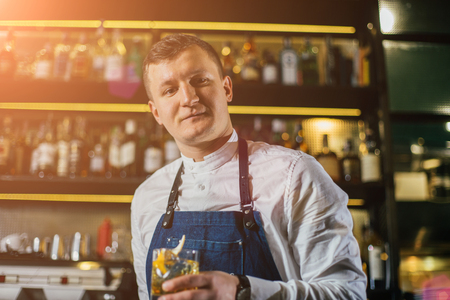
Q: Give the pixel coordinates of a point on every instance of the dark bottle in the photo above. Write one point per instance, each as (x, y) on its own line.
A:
(134, 61)
(350, 164)
(23, 151)
(308, 64)
(329, 161)
(8, 61)
(47, 152)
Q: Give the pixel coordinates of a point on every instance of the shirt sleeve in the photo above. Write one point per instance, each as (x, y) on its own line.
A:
(321, 240)
(139, 254)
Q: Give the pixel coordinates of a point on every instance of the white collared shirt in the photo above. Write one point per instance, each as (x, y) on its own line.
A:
(304, 214)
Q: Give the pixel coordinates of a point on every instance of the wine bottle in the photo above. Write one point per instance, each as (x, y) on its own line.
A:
(308, 63)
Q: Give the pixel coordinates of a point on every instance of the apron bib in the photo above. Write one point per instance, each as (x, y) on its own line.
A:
(228, 241)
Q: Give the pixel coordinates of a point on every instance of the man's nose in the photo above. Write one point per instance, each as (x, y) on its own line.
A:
(189, 95)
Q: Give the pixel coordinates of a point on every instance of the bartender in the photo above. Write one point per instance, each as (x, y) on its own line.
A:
(268, 221)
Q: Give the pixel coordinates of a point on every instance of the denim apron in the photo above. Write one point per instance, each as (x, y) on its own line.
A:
(228, 241)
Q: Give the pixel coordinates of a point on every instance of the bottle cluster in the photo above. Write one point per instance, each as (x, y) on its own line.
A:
(354, 163)
(321, 63)
(99, 58)
(71, 148)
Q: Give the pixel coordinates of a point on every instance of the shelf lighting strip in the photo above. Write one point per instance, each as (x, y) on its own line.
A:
(233, 109)
(182, 25)
(99, 198)
(69, 197)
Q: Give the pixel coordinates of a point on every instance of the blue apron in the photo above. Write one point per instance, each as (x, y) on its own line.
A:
(228, 241)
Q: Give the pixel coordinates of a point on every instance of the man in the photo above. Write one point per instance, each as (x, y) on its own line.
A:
(266, 212)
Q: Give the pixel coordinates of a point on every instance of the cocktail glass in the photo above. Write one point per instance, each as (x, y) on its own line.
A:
(167, 265)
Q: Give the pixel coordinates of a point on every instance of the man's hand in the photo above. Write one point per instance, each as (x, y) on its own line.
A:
(209, 285)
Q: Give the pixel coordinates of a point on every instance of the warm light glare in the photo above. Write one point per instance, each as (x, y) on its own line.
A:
(386, 20)
(324, 125)
(88, 265)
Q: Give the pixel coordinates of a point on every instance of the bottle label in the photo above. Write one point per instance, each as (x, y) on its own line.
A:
(127, 153)
(331, 166)
(114, 156)
(114, 68)
(62, 168)
(97, 164)
(46, 155)
(153, 159)
(370, 168)
(42, 69)
(270, 74)
(375, 263)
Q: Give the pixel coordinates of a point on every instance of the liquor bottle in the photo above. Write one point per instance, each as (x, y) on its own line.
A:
(61, 64)
(134, 61)
(331, 69)
(81, 59)
(5, 145)
(269, 68)
(115, 60)
(154, 154)
(128, 150)
(113, 165)
(76, 150)
(8, 61)
(329, 161)
(251, 70)
(289, 61)
(23, 151)
(370, 160)
(47, 152)
(308, 64)
(97, 165)
(99, 53)
(44, 61)
(374, 258)
(300, 143)
(350, 164)
(171, 151)
(63, 148)
(227, 59)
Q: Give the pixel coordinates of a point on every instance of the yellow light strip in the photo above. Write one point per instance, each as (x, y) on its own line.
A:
(294, 111)
(233, 109)
(180, 25)
(98, 198)
(69, 197)
(355, 202)
(53, 23)
(228, 26)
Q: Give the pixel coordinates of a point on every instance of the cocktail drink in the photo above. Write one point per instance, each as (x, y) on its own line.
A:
(167, 265)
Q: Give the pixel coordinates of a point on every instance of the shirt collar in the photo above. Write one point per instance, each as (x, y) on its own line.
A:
(214, 160)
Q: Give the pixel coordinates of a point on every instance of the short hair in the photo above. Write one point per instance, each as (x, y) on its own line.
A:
(170, 47)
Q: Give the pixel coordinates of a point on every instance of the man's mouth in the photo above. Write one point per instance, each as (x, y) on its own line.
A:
(197, 114)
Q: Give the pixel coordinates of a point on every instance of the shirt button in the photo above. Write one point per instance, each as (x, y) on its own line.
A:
(201, 187)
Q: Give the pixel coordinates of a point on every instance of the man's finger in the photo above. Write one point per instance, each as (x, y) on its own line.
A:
(186, 282)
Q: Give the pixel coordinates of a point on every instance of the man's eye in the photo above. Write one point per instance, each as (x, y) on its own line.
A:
(169, 91)
(200, 81)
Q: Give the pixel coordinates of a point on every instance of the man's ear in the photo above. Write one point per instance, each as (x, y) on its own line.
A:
(154, 111)
(228, 86)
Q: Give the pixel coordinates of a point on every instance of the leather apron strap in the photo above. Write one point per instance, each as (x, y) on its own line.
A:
(246, 202)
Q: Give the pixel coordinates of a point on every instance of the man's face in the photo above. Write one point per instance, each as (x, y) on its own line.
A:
(190, 98)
